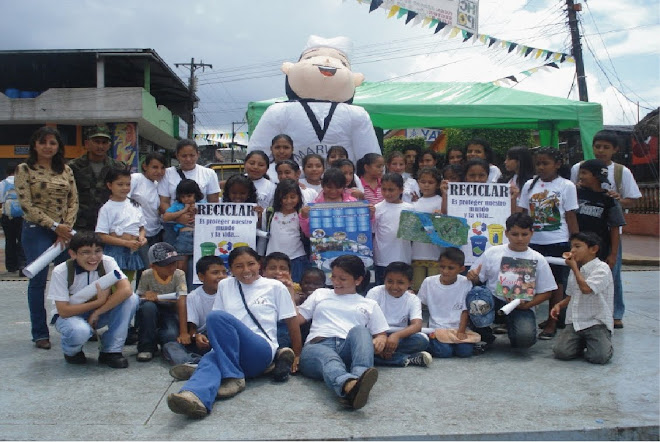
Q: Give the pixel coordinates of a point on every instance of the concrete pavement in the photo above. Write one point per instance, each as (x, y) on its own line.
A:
(500, 395)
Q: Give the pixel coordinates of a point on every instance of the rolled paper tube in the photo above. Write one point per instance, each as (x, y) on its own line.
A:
(262, 233)
(556, 261)
(509, 307)
(43, 260)
(167, 297)
(425, 330)
(86, 293)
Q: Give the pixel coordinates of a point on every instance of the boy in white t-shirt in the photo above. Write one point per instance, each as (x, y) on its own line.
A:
(445, 294)
(210, 271)
(621, 186)
(521, 322)
(77, 317)
(403, 311)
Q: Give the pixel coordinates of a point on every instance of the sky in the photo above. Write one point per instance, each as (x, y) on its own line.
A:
(247, 42)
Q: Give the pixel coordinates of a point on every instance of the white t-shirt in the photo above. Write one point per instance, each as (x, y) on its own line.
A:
(268, 300)
(494, 173)
(333, 316)
(547, 203)
(629, 188)
(387, 247)
(309, 195)
(272, 173)
(206, 179)
(198, 305)
(265, 192)
(316, 187)
(410, 187)
(424, 251)
(119, 217)
(284, 234)
(398, 311)
(145, 192)
(58, 289)
(491, 261)
(445, 302)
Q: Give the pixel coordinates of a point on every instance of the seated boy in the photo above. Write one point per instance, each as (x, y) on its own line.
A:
(157, 318)
(590, 300)
(210, 270)
(77, 318)
(521, 322)
(312, 278)
(403, 310)
(444, 294)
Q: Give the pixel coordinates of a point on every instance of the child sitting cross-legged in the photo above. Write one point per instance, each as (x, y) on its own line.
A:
(445, 294)
(589, 302)
(403, 310)
(77, 318)
(210, 271)
(157, 318)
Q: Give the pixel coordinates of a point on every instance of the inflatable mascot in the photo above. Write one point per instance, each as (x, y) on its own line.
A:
(318, 115)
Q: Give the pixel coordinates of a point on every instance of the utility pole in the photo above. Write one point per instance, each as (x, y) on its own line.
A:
(572, 9)
(191, 90)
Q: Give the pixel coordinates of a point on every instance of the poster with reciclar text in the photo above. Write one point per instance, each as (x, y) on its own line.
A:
(222, 227)
(485, 206)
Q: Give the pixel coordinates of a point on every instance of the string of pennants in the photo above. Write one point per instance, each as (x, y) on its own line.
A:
(221, 137)
(513, 79)
(452, 31)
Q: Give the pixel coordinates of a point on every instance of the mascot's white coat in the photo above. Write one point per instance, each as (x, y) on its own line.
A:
(321, 85)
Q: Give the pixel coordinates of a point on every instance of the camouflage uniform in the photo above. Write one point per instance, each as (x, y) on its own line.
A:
(92, 191)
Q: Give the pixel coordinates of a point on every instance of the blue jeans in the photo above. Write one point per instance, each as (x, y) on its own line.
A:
(75, 330)
(176, 353)
(298, 266)
(407, 346)
(331, 358)
(158, 324)
(619, 306)
(237, 352)
(521, 326)
(442, 350)
(36, 240)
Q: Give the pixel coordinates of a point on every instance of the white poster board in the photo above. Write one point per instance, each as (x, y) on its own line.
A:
(220, 228)
(485, 206)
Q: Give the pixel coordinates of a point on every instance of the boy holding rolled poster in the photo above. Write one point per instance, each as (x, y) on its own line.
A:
(162, 314)
(90, 291)
(521, 322)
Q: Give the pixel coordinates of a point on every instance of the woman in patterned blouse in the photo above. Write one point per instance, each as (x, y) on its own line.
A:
(47, 192)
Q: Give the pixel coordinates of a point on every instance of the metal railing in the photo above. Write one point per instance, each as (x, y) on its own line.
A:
(650, 200)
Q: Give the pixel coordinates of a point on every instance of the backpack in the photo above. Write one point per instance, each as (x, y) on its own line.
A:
(71, 273)
(270, 212)
(11, 207)
(618, 176)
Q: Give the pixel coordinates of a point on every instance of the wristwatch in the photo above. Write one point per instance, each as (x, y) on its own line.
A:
(54, 226)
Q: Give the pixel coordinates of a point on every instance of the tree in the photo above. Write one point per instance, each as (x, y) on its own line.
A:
(501, 140)
(402, 143)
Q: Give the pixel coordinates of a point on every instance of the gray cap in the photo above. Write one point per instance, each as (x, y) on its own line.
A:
(163, 254)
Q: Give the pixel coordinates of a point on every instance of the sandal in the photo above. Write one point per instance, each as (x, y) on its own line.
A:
(357, 397)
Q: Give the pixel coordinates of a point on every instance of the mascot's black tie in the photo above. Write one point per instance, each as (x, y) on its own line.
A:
(320, 132)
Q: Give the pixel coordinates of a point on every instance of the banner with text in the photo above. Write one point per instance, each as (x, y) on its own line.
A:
(222, 227)
(485, 206)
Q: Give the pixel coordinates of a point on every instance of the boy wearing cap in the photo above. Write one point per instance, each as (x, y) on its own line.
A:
(521, 322)
(157, 318)
(598, 211)
(89, 172)
(622, 187)
(76, 318)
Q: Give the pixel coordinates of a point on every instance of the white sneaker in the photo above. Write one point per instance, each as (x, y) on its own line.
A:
(186, 403)
(145, 356)
(183, 372)
(230, 387)
(421, 359)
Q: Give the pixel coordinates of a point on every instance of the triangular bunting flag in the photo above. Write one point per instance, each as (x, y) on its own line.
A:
(512, 47)
(528, 51)
(433, 23)
(492, 41)
(548, 56)
(556, 56)
(552, 65)
(512, 78)
(570, 59)
(426, 21)
(393, 10)
(375, 4)
(482, 38)
(538, 53)
(454, 32)
(467, 35)
(418, 19)
(504, 43)
(401, 12)
(440, 26)
(411, 15)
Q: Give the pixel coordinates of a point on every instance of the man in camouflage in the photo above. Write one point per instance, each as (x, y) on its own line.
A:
(90, 171)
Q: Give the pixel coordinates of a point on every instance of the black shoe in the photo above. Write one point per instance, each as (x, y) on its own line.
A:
(77, 359)
(283, 362)
(113, 360)
(132, 336)
(357, 397)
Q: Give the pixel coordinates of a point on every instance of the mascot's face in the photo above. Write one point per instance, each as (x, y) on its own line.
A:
(322, 74)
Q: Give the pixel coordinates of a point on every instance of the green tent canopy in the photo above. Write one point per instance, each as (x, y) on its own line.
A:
(468, 105)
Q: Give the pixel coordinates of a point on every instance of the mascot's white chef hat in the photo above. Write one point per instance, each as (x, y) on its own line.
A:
(342, 44)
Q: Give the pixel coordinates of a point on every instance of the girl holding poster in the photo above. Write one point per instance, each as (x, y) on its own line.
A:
(425, 256)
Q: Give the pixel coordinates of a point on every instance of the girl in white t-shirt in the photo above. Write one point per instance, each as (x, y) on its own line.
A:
(551, 201)
(313, 168)
(387, 247)
(256, 168)
(289, 169)
(281, 148)
(120, 224)
(425, 256)
(242, 330)
(346, 331)
(480, 148)
(282, 222)
(396, 163)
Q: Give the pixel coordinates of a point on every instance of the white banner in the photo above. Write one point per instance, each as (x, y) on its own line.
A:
(463, 14)
(221, 227)
(485, 206)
